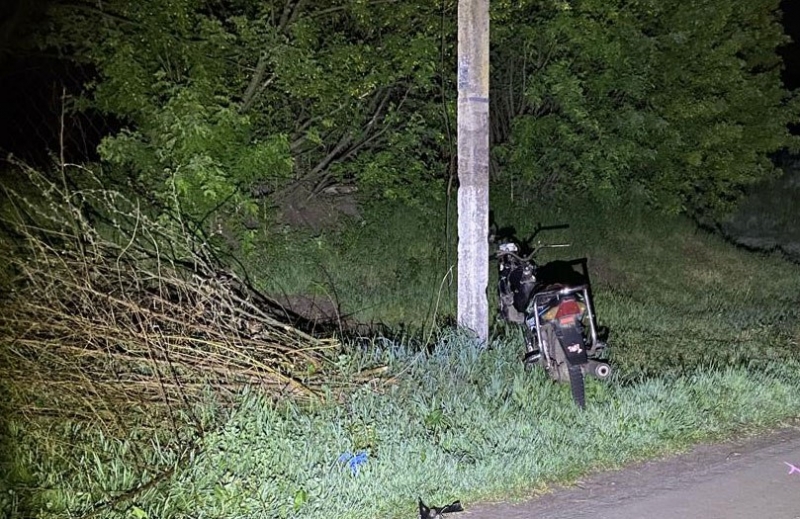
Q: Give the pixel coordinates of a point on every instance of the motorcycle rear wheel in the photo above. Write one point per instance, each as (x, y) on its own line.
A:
(576, 384)
(560, 369)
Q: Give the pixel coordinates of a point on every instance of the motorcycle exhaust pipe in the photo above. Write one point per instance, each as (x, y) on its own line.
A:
(599, 370)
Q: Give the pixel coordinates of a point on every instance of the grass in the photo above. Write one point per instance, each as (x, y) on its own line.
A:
(705, 343)
(460, 424)
(390, 268)
(674, 297)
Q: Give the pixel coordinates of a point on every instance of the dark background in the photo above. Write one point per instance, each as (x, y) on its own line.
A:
(791, 52)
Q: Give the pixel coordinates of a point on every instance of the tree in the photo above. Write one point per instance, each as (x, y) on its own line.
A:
(681, 99)
(231, 102)
(232, 105)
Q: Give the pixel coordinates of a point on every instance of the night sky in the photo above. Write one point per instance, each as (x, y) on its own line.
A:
(31, 89)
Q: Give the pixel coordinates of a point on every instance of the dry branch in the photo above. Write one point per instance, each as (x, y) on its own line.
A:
(123, 310)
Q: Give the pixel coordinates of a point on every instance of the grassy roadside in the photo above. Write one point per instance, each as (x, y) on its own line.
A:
(460, 424)
(705, 341)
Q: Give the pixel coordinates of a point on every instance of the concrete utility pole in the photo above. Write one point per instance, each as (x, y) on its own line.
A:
(473, 166)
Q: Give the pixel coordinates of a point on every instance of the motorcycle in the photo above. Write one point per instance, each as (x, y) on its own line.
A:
(553, 303)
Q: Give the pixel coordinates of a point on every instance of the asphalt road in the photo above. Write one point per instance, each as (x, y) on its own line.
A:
(757, 478)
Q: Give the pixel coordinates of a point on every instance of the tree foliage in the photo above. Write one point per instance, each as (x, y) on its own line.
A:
(683, 99)
(234, 100)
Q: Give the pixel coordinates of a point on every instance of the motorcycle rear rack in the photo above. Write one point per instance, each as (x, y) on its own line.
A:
(540, 297)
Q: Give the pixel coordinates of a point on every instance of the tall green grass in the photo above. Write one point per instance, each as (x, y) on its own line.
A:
(704, 340)
(395, 267)
(675, 297)
(460, 423)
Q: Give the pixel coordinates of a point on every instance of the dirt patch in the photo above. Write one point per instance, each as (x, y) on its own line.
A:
(318, 309)
(322, 315)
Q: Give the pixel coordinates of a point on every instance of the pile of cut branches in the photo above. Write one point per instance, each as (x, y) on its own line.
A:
(109, 306)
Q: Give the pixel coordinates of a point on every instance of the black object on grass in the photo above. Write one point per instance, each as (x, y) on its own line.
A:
(435, 512)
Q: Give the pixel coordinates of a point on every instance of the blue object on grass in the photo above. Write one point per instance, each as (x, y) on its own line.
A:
(354, 461)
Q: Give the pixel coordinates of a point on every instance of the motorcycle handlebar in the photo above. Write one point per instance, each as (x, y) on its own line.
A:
(533, 252)
(514, 255)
